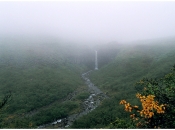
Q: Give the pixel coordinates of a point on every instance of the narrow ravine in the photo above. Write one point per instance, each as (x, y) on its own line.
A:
(96, 96)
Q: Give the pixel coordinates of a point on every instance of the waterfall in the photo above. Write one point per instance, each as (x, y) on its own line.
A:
(96, 62)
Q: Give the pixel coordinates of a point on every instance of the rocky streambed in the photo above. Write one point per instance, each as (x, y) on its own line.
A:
(89, 104)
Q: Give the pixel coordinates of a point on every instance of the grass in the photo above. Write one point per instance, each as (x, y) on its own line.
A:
(118, 78)
(42, 76)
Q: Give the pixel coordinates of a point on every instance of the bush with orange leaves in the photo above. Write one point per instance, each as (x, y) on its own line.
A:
(157, 97)
(149, 108)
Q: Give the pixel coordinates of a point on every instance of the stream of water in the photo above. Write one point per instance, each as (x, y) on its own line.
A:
(96, 96)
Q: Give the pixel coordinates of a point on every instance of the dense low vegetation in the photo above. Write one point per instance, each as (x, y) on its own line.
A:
(41, 77)
(157, 107)
(118, 78)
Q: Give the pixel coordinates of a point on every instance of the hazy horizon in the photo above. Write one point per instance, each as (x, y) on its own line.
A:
(89, 22)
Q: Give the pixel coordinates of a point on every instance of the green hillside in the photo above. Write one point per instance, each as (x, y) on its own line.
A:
(147, 59)
(40, 76)
(133, 62)
(44, 79)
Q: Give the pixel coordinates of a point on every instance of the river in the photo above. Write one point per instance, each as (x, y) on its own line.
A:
(96, 96)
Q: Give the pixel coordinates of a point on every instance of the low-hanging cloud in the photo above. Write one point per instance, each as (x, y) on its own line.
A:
(89, 21)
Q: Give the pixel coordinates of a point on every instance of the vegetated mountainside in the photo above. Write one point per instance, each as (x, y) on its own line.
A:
(107, 52)
(150, 59)
(41, 76)
(135, 61)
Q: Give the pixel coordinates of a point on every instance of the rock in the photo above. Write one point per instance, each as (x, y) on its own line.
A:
(66, 126)
(88, 105)
(54, 123)
(93, 95)
(59, 121)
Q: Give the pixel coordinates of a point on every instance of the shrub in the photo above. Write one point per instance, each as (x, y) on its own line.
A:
(157, 101)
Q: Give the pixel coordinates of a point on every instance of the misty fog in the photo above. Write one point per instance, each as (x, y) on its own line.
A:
(61, 60)
(88, 22)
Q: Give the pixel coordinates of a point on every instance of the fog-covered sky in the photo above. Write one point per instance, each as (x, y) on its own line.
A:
(89, 21)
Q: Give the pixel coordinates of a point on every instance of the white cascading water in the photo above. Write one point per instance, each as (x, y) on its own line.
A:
(96, 62)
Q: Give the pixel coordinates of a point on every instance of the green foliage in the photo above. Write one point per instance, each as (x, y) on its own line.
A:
(49, 115)
(38, 76)
(34, 88)
(16, 121)
(5, 100)
(117, 79)
(121, 123)
(102, 116)
(82, 96)
(41, 76)
(164, 91)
